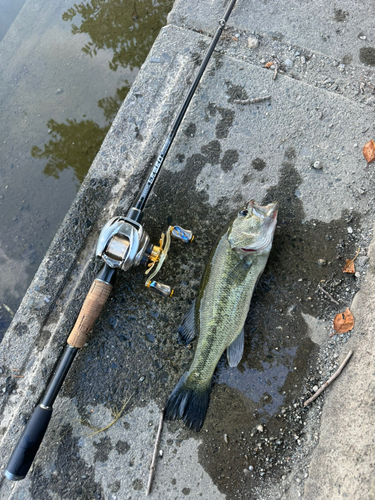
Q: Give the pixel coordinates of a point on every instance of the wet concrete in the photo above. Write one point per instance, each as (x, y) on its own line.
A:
(258, 440)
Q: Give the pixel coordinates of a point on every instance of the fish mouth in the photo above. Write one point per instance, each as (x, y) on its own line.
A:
(264, 212)
(269, 214)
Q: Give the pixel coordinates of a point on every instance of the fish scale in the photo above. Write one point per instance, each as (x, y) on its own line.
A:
(220, 311)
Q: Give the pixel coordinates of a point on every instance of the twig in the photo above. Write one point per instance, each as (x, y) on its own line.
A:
(152, 468)
(276, 69)
(252, 101)
(116, 415)
(330, 380)
(328, 295)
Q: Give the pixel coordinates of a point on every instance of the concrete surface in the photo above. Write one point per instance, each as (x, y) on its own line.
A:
(321, 109)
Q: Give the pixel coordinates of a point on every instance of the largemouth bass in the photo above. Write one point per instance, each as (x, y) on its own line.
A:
(218, 314)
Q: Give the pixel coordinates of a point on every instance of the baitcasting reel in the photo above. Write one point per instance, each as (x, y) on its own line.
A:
(124, 243)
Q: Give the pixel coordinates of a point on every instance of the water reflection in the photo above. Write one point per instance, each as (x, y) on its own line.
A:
(111, 105)
(73, 145)
(9, 10)
(129, 29)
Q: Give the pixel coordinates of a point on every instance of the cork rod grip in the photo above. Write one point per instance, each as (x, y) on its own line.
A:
(91, 309)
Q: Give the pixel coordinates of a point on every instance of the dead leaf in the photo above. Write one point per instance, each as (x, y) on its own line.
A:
(234, 38)
(349, 264)
(369, 151)
(343, 322)
(268, 65)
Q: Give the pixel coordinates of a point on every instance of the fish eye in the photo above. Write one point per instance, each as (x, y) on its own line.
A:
(244, 212)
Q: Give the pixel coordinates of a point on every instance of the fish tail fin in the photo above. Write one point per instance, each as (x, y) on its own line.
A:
(188, 403)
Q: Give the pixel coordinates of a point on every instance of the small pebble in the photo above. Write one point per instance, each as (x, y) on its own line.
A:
(322, 262)
(252, 43)
(317, 165)
(260, 428)
(251, 467)
(315, 388)
(226, 438)
(288, 63)
(350, 230)
(161, 453)
(303, 59)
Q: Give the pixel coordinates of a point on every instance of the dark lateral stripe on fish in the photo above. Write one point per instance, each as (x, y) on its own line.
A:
(188, 404)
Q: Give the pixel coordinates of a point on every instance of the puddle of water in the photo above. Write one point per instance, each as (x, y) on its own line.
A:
(68, 68)
(262, 385)
(9, 10)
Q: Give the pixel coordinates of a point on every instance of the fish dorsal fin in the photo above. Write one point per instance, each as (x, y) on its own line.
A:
(187, 330)
(235, 350)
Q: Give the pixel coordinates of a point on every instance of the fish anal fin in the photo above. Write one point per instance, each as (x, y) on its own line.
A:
(235, 350)
(187, 330)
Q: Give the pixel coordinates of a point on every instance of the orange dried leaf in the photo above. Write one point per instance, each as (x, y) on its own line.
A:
(234, 38)
(268, 65)
(349, 266)
(343, 322)
(369, 151)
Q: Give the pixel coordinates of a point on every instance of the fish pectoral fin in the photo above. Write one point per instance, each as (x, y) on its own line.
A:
(235, 350)
(239, 271)
(187, 330)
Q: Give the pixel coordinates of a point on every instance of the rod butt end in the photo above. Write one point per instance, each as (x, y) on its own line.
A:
(13, 477)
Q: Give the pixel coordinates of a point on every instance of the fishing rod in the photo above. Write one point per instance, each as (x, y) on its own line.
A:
(122, 243)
